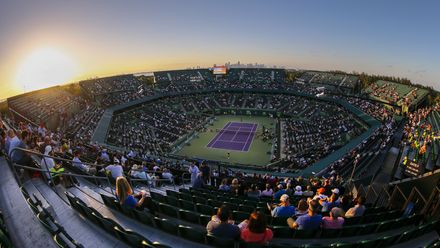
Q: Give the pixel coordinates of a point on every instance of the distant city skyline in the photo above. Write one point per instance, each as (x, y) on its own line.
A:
(48, 42)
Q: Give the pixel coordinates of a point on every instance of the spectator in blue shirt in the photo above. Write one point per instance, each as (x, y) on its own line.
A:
(309, 221)
(283, 209)
(281, 191)
(125, 194)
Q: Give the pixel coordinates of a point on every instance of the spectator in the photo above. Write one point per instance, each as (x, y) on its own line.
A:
(335, 221)
(166, 174)
(329, 203)
(298, 191)
(358, 209)
(193, 171)
(221, 225)
(281, 191)
(283, 209)
(224, 185)
(206, 172)
(125, 195)
(47, 163)
(18, 156)
(199, 183)
(255, 230)
(268, 191)
(345, 203)
(76, 162)
(115, 169)
(320, 194)
(104, 156)
(289, 190)
(308, 192)
(309, 221)
(302, 208)
(254, 192)
(235, 186)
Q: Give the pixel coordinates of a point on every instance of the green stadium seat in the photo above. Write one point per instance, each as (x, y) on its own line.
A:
(25, 193)
(33, 206)
(200, 200)
(173, 201)
(239, 216)
(63, 242)
(132, 238)
(282, 232)
(204, 219)
(155, 245)
(48, 223)
(388, 240)
(127, 211)
(252, 245)
(367, 229)
(348, 231)
(329, 233)
(186, 197)
(304, 234)
(214, 203)
(279, 221)
(187, 205)
(183, 190)
(352, 221)
(168, 210)
(107, 224)
(172, 193)
(284, 245)
(166, 225)
(219, 242)
(343, 245)
(192, 234)
(110, 201)
(204, 209)
(189, 216)
(144, 217)
(158, 197)
(405, 236)
(369, 243)
(87, 212)
(245, 208)
(384, 226)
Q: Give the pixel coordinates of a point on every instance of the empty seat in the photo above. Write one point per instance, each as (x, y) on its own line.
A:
(193, 234)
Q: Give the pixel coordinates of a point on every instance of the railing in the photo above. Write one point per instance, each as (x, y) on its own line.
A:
(47, 173)
(432, 208)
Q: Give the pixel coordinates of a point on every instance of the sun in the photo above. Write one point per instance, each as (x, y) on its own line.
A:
(45, 67)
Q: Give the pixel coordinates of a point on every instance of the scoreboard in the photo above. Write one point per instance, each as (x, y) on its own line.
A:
(219, 70)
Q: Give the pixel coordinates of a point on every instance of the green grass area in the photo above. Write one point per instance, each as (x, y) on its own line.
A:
(258, 151)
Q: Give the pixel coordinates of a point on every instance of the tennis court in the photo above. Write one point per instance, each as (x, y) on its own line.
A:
(236, 136)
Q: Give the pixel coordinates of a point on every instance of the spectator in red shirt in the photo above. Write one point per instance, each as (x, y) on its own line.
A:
(255, 229)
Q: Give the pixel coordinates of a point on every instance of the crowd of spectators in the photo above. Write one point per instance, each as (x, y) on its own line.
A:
(319, 204)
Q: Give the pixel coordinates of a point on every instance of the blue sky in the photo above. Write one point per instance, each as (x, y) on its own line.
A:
(105, 37)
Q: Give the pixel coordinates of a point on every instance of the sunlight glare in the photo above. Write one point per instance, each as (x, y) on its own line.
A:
(44, 68)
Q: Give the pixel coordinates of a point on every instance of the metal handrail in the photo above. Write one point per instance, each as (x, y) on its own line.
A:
(394, 193)
(47, 169)
(152, 180)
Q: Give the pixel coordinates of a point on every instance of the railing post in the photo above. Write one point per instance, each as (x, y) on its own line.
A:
(47, 168)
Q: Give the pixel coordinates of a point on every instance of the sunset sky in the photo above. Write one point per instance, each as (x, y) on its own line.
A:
(48, 42)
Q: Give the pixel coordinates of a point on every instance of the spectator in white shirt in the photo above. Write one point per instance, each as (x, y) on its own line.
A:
(76, 162)
(115, 169)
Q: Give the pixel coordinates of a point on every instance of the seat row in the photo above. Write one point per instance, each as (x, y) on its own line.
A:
(130, 237)
(5, 241)
(208, 206)
(199, 235)
(60, 236)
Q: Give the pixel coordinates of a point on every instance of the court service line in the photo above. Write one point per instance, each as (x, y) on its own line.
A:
(251, 133)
